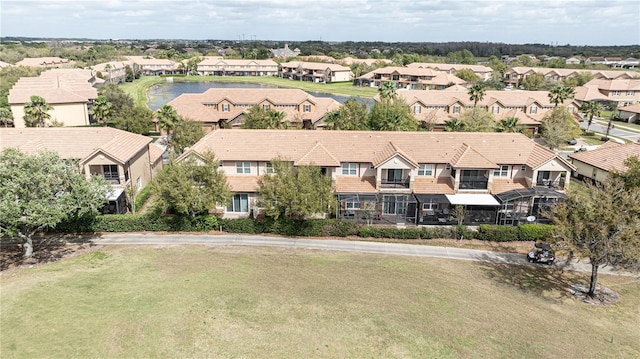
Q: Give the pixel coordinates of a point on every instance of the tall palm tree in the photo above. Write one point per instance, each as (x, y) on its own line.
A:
(559, 94)
(476, 93)
(387, 90)
(101, 110)
(35, 112)
(510, 124)
(168, 119)
(454, 125)
(591, 109)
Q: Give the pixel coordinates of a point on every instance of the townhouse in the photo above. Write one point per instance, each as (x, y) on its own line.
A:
(113, 71)
(484, 72)
(415, 78)
(70, 92)
(152, 67)
(50, 62)
(121, 157)
(630, 62)
(437, 107)
(226, 107)
(516, 75)
(315, 72)
(399, 177)
(622, 92)
(223, 67)
(597, 165)
(630, 113)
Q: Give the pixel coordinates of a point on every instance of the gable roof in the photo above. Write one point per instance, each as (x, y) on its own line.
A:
(55, 86)
(390, 151)
(78, 143)
(467, 157)
(608, 158)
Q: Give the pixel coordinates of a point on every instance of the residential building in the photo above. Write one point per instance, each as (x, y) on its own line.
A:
(348, 61)
(515, 75)
(484, 72)
(149, 66)
(4, 64)
(315, 72)
(613, 62)
(409, 78)
(70, 92)
(224, 67)
(51, 62)
(285, 52)
(401, 176)
(573, 61)
(121, 157)
(226, 107)
(434, 108)
(113, 71)
(623, 92)
(630, 113)
(597, 165)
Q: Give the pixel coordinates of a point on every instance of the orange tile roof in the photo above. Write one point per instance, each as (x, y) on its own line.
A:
(356, 185)
(467, 157)
(75, 142)
(389, 151)
(55, 86)
(608, 158)
(243, 183)
(423, 185)
(502, 185)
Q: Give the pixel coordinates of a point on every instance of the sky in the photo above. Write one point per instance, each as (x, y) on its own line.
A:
(561, 22)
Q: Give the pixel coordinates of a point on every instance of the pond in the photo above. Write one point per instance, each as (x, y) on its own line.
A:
(160, 94)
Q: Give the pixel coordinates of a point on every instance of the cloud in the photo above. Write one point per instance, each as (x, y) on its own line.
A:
(514, 21)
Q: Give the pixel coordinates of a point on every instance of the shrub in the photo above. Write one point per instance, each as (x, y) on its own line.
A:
(337, 228)
(238, 225)
(534, 232)
(142, 197)
(496, 233)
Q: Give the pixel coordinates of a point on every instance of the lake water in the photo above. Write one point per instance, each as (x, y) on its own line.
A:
(159, 95)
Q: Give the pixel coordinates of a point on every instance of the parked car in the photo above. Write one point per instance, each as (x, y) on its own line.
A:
(541, 253)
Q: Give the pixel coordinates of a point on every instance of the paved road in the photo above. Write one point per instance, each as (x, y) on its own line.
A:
(617, 131)
(401, 249)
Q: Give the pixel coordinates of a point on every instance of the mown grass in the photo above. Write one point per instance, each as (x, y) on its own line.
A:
(138, 88)
(193, 301)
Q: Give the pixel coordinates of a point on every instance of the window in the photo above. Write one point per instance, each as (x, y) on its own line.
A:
(266, 106)
(595, 173)
(534, 109)
(139, 183)
(306, 108)
(352, 203)
(629, 93)
(225, 107)
(503, 171)
(349, 169)
(456, 109)
(416, 109)
(447, 167)
(243, 167)
(616, 93)
(425, 170)
(110, 172)
(523, 168)
(239, 203)
(430, 206)
(496, 109)
(269, 168)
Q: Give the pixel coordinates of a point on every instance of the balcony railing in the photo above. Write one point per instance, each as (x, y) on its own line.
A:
(474, 184)
(551, 184)
(395, 183)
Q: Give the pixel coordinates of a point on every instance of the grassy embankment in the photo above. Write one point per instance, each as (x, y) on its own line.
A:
(138, 88)
(194, 301)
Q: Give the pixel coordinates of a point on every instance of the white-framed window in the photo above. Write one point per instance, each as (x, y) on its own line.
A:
(425, 170)
(429, 206)
(306, 108)
(266, 106)
(225, 107)
(495, 109)
(616, 93)
(352, 204)
(349, 169)
(523, 168)
(417, 109)
(239, 203)
(243, 167)
(503, 171)
(139, 183)
(533, 109)
(110, 172)
(456, 109)
(268, 168)
(630, 93)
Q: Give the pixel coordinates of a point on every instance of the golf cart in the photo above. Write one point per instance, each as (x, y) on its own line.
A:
(541, 253)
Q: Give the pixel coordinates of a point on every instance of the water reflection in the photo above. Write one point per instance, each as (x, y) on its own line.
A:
(160, 94)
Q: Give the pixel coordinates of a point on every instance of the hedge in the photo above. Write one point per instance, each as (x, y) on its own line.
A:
(301, 228)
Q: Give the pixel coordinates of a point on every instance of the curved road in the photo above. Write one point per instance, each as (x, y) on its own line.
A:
(401, 249)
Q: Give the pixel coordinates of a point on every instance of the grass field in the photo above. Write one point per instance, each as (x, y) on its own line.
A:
(138, 88)
(192, 301)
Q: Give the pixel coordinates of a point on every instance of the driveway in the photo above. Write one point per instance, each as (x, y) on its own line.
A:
(399, 249)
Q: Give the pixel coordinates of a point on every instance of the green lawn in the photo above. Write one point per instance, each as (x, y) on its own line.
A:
(195, 302)
(138, 88)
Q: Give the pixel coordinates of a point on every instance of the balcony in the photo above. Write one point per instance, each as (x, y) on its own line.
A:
(474, 184)
(395, 184)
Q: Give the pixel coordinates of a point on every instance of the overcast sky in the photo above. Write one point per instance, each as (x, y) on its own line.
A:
(575, 22)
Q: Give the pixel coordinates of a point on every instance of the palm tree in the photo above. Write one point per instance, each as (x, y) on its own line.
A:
(613, 106)
(387, 90)
(453, 125)
(6, 116)
(274, 119)
(476, 93)
(510, 124)
(168, 119)
(591, 108)
(101, 110)
(35, 112)
(561, 93)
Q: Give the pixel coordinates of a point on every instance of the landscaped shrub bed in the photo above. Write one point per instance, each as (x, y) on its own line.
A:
(300, 228)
